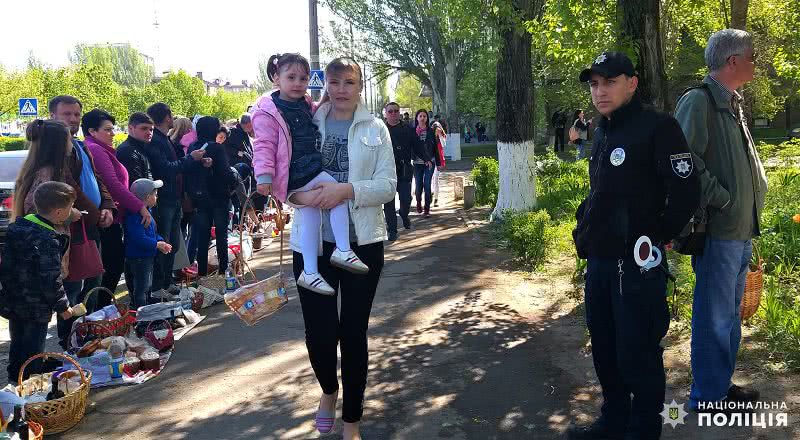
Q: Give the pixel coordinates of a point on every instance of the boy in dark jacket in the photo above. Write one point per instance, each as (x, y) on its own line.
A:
(142, 243)
(30, 272)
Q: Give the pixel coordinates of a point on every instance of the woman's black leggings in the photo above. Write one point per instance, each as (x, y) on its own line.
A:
(325, 328)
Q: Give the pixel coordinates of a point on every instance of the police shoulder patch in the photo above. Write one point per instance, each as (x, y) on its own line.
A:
(682, 164)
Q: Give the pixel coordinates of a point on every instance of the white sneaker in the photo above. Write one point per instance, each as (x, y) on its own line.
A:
(315, 283)
(348, 261)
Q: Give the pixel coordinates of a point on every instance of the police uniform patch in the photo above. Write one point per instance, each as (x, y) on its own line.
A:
(682, 164)
(617, 157)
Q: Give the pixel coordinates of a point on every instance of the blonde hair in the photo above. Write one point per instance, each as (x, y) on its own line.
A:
(344, 64)
(181, 127)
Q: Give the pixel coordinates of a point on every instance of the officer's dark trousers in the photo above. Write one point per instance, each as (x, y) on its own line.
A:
(389, 211)
(626, 330)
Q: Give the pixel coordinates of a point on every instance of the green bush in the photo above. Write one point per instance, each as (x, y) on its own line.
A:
(530, 236)
(781, 322)
(561, 186)
(119, 138)
(784, 150)
(486, 176)
(12, 144)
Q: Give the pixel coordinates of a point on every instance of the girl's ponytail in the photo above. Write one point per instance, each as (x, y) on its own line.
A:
(272, 66)
(33, 133)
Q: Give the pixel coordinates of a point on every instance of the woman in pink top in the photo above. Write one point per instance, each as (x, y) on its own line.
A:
(98, 127)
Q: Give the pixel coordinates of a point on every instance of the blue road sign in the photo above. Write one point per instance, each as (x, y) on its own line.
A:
(317, 80)
(28, 107)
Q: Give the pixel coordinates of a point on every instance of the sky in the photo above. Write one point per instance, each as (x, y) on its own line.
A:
(223, 39)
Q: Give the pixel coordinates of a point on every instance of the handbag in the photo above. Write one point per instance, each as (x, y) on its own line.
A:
(573, 134)
(84, 259)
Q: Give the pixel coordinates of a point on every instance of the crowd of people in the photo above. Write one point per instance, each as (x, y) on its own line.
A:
(114, 211)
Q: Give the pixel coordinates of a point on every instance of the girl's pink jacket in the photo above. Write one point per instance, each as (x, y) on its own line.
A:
(272, 149)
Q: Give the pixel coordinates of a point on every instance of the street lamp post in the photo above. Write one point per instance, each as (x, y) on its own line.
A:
(313, 30)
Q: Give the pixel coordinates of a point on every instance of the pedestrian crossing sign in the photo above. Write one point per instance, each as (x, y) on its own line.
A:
(28, 107)
(317, 80)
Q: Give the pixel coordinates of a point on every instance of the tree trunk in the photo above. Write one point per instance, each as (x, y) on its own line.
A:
(640, 33)
(453, 148)
(739, 14)
(515, 143)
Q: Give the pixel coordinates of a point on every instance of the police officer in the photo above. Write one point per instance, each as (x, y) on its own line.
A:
(643, 191)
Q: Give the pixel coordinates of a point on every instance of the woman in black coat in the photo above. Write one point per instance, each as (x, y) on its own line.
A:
(209, 184)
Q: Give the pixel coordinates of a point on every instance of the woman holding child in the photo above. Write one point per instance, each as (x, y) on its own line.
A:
(356, 151)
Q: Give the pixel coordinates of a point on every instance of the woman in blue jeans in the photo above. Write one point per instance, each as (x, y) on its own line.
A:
(209, 184)
(423, 174)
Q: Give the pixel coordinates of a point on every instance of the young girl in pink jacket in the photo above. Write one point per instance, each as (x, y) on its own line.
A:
(288, 165)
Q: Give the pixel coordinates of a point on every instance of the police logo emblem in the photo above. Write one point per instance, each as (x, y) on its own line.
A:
(617, 157)
(682, 164)
(674, 414)
(600, 59)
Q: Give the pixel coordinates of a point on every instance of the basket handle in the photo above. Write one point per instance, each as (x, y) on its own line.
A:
(96, 289)
(280, 224)
(45, 356)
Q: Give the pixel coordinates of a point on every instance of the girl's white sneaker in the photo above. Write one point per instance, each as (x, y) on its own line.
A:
(315, 283)
(348, 261)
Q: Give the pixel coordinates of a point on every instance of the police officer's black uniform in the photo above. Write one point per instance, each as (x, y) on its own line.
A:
(642, 184)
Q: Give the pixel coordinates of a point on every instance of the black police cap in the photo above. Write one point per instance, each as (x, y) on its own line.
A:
(609, 65)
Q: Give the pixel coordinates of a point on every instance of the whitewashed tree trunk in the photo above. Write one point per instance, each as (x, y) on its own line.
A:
(517, 177)
(453, 146)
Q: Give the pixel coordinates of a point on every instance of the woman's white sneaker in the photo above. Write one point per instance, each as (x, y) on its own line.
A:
(348, 261)
(315, 283)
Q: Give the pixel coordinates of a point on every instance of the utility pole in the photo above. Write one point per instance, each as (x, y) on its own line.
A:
(313, 30)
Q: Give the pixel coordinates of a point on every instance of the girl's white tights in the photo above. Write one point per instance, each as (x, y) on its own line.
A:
(309, 226)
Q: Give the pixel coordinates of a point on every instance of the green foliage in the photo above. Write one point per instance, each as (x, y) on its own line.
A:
(780, 322)
(486, 177)
(530, 236)
(12, 144)
(119, 138)
(562, 186)
(406, 93)
(231, 105)
(477, 93)
(128, 66)
(779, 244)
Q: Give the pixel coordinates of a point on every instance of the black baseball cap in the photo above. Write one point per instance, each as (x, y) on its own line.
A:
(609, 65)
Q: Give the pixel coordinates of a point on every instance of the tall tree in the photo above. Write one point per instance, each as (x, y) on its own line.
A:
(430, 39)
(515, 103)
(407, 93)
(128, 66)
(640, 35)
(739, 13)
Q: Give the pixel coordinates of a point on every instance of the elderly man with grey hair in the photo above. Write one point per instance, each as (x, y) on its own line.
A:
(733, 186)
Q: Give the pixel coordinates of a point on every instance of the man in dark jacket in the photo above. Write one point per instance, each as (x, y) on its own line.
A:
(132, 153)
(167, 167)
(238, 145)
(31, 274)
(92, 197)
(407, 146)
(643, 189)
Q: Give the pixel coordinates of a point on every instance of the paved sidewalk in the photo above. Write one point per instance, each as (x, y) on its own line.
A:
(460, 348)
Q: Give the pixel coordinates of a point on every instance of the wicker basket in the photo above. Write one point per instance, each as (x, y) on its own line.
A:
(58, 415)
(35, 430)
(103, 329)
(753, 286)
(257, 300)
